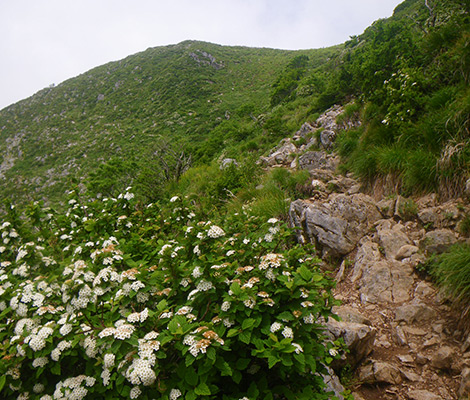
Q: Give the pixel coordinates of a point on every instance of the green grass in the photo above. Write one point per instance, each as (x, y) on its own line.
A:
(451, 270)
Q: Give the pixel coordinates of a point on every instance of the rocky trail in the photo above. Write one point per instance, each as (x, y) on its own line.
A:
(405, 341)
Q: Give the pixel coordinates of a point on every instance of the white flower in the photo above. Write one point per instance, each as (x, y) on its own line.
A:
(225, 306)
(288, 333)
(272, 220)
(129, 196)
(109, 360)
(333, 352)
(197, 272)
(298, 348)
(174, 394)
(215, 232)
(174, 198)
(275, 327)
(135, 392)
(230, 253)
(196, 250)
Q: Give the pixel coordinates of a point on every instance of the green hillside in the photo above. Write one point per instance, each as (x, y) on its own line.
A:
(180, 93)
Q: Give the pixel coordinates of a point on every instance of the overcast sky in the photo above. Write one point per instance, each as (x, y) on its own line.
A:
(48, 41)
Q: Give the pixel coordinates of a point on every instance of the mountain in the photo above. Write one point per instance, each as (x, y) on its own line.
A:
(180, 93)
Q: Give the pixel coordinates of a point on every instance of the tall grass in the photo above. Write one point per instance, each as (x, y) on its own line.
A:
(451, 271)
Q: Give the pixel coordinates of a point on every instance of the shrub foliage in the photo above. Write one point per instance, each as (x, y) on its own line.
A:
(114, 299)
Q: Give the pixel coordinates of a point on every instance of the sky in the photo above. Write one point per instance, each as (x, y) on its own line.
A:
(44, 42)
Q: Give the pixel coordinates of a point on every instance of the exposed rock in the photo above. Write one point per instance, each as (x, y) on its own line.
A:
(349, 314)
(226, 162)
(336, 225)
(417, 312)
(284, 154)
(391, 237)
(424, 289)
(327, 138)
(328, 119)
(437, 241)
(443, 358)
(406, 251)
(467, 188)
(380, 372)
(342, 184)
(305, 130)
(423, 395)
(399, 336)
(359, 339)
(333, 384)
(464, 390)
(318, 160)
(387, 207)
(411, 376)
(405, 209)
(443, 216)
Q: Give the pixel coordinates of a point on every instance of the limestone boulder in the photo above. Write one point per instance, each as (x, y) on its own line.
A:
(380, 372)
(327, 138)
(417, 312)
(359, 339)
(437, 241)
(312, 160)
(392, 237)
(423, 395)
(284, 154)
(443, 358)
(337, 224)
(464, 389)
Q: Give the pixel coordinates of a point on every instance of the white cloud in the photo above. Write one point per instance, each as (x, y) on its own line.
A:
(48, 41)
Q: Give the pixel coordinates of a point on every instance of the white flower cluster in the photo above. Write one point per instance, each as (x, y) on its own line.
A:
(72, 388)
(63, 345)
(215, 232)
(121, 332)
(271, 260)
(141, 369)
(175, 393)
(138, 317)
(37, 340)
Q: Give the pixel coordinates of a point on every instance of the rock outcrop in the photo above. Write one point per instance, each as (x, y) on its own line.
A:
(403, 338)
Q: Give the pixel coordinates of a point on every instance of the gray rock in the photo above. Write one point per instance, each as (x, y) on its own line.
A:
(443, 358)
(437, 241)
(349, 314)
(424, 289)
(333, 384)
(423, 395)
(467, 188)
(399, 336)
(406, 251)
(327, 138)
(327, 120)
(284, 154)
(305, 130)
(226, 162)
(418, 312)
(359, 339)
(464, 389)
(380, 372)
(318, 160)
(336, 225)
(387, 207)
(392, 237)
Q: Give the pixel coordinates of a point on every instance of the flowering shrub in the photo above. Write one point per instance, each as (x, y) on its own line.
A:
(118, 300)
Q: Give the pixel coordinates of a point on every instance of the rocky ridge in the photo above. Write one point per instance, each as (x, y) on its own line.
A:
(404, 340)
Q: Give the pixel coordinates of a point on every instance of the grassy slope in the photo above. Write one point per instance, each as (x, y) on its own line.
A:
(122, 107)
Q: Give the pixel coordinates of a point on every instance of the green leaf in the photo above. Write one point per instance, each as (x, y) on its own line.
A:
(305, 273)
(225, 369)
(191, 376)
(272, 361)
(211, 354)
(248, 323)
(237, 377)
(3, 379)
(202, 390)
(235, 288)
(191, 396)
(232, 332)
(162, 305)
(245, 336)
(242, 363)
